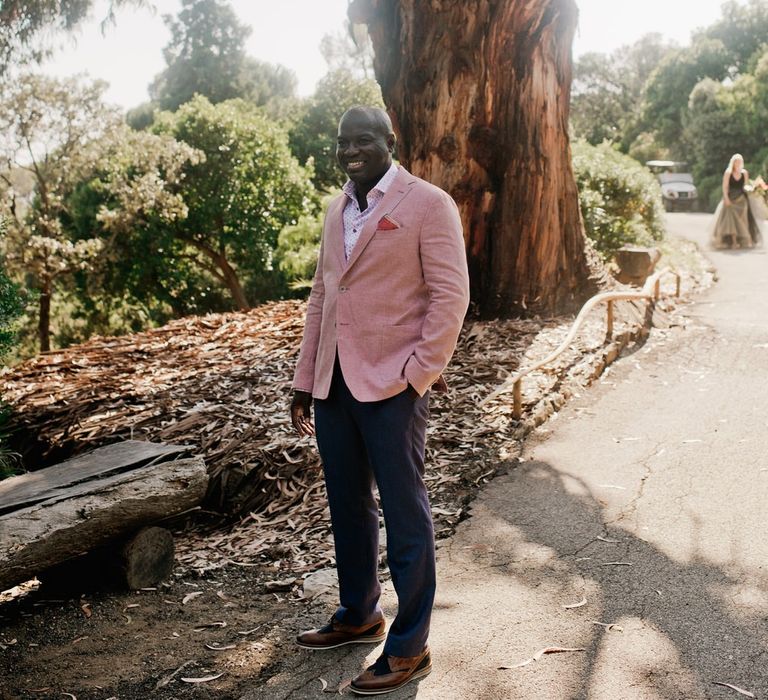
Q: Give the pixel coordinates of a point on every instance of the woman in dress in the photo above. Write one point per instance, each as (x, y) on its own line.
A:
(735, 226)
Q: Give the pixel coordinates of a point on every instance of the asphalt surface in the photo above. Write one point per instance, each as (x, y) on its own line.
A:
(643, 505)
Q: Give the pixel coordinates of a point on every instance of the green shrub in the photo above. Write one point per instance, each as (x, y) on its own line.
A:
(11, 307)
(620, 199)
(298, 247)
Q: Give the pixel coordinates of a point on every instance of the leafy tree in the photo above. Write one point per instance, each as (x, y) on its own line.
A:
(668, 89)
(350, 50)
(240, 197)
(726, 118)
(11, 307)
(141, 116)
(26, 28)
(314, 134)
(600, 101)
(266, 84)
(47, 123)
(11, 304)
(129, 198)
(206, 56)
(743, 31)
(607, 89)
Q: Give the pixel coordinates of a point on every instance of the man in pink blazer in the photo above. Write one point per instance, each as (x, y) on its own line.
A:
(388, 299)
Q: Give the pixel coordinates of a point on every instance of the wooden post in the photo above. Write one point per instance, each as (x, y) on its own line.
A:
(609, 320)
(147, 558)
(677, 285)
(517, 399)
(657, 289)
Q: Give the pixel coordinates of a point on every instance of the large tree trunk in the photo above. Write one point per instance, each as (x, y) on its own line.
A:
(479, 94)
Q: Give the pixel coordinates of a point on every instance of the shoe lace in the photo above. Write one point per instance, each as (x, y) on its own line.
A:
(327, 629)
(381, 667)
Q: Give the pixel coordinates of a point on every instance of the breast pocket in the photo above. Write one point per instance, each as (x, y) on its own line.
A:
(394, 237)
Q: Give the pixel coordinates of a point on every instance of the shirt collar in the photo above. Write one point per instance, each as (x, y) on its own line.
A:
(381, 186)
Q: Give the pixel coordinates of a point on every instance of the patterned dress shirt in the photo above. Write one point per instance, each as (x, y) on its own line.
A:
(354, 219)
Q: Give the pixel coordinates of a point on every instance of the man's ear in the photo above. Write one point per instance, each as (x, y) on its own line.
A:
(391, 143)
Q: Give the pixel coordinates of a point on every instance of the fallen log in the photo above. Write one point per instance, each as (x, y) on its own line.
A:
(80, 517)
(57, 481)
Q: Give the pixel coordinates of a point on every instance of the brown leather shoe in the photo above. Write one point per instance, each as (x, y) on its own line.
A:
(337, 634)
(391, 672)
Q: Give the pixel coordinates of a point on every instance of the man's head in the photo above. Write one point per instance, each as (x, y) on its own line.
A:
(364, 145)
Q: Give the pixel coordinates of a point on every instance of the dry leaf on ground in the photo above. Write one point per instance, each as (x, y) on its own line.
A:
(540, 653)
(204, 679)
(741, 691)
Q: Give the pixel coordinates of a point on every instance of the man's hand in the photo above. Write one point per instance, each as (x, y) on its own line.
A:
(301, 415)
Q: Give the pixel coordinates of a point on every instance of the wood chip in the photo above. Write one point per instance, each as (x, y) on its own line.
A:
(167, 679)
(580, 604)
(281, 585)
(204, 625)
(608, 625)
(616, 563)
(204, 679)
(540, 653)
(190, 596)
(741, 691)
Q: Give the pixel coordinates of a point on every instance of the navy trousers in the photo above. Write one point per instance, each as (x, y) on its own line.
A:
(381, 441)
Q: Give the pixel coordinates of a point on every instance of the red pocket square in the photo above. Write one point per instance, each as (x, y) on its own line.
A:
(386, 224)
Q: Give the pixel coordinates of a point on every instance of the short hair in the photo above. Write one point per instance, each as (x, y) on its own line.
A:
(378, 117)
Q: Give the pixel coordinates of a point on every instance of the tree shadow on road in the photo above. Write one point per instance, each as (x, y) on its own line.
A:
(718, 631)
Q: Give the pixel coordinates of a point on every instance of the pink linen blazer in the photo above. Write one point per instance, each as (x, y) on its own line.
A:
(394, 310)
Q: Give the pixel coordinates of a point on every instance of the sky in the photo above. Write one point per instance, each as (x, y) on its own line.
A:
(129, 54)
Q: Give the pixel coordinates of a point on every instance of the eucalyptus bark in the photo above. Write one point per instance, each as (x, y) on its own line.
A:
(479, 95)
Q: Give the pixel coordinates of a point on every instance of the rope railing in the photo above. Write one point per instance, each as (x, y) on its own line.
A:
(651, 291)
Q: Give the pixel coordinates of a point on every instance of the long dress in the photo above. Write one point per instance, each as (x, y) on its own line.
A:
(735, 224)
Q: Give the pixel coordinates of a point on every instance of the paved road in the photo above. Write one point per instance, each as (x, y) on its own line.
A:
(647, 499)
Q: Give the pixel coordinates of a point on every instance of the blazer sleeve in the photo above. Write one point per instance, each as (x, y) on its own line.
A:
(304, 375)
(444, 266)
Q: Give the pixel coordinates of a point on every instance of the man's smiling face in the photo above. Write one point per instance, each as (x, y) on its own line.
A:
(363, 149)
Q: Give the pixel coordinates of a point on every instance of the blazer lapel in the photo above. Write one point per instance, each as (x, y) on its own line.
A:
(335, 229)
(397, 191)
